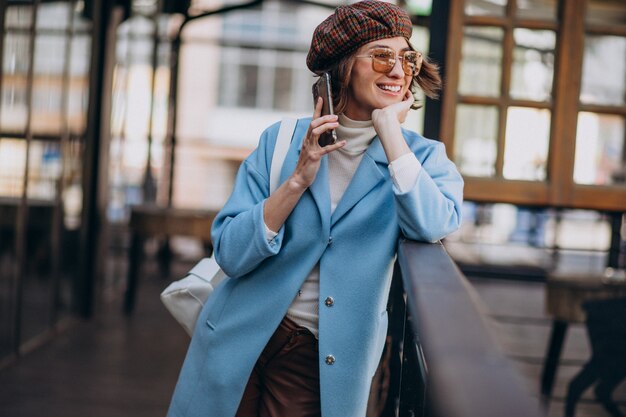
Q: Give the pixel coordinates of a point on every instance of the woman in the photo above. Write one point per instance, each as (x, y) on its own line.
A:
(299, 326)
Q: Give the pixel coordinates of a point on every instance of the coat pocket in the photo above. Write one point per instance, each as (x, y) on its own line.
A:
(216, 303)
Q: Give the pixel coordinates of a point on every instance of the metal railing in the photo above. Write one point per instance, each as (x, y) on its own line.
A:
(444, 362)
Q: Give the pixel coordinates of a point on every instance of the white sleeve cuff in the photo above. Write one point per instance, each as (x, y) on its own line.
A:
(269, 234)
(404, 172)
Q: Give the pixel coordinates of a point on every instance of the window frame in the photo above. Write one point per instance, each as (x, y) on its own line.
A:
(559, 188)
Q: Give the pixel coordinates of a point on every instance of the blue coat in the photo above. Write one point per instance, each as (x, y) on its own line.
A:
(356, 249)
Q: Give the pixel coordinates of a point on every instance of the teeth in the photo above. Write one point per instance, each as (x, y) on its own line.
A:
(393, 88)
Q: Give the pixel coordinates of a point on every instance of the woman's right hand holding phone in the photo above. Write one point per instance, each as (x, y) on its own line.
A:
(311, 153)
(281, 202)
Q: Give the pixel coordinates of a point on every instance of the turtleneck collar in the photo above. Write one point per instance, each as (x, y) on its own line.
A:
(358, 134)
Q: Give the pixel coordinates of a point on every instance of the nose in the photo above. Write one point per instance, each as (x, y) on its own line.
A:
(396, 71)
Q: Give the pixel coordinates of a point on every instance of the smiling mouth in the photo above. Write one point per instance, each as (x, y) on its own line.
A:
(390, 88)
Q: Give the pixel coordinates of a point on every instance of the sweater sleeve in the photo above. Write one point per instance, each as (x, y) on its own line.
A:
(404, 172)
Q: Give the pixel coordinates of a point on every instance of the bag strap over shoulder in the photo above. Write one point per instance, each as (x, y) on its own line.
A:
(285, 134)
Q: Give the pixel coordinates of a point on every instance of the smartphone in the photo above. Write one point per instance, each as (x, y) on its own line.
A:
(322, 89)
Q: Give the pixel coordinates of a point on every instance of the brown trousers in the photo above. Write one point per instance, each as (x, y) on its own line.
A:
(285, 380)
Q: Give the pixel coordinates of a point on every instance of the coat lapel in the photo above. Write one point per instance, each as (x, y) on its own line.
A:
(321, 194)
(366, 177)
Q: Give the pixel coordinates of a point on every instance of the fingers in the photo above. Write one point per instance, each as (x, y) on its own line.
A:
(333, 147)
(317, 112)
(323, 124)
(408, 99)
(318, 119)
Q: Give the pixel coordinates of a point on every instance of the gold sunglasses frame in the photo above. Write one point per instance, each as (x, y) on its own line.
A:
(418, 62)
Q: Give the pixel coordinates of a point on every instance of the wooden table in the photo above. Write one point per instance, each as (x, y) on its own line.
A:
(152, 221)
(565, 296)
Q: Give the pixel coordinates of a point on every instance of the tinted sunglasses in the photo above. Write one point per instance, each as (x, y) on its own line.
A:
(384, 59)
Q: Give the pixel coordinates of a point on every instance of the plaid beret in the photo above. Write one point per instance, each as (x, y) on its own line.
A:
(353, 25)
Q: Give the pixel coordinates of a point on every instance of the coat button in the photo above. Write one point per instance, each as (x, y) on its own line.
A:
(330, 359)
(329, 301)
(330, 240)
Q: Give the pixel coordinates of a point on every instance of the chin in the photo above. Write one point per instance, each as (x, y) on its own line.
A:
(388, 102)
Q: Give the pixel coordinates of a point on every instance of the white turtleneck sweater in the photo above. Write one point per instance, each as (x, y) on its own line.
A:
(342, 164)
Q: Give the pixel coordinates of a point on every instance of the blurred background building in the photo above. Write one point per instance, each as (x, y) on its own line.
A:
(110, 105)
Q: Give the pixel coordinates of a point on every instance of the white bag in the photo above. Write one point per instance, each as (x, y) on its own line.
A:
(185, 298)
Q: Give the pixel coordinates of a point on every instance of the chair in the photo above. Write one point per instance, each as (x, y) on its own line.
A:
(606, 328)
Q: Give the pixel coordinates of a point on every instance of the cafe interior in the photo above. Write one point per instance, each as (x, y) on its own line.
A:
(121, 135)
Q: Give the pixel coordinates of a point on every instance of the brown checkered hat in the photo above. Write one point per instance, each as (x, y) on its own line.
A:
(353, 25)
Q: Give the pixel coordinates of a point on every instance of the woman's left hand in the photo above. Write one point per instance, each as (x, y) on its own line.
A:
(387, 123)
(393, 112)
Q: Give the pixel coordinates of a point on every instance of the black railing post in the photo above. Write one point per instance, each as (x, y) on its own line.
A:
(407, 386)
(413, 389)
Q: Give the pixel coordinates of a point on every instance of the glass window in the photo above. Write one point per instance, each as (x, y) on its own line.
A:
(44, 170)
(604, 66)
(526, 144)
(78, 94)
(50, 57)
(14, 106)
(274, 24)
(12, 165)
(18, 16)
(229, 70)
(54, 15)
(485, 7)
(536, 9)
(481, 61)
(600, 158)
(282, 88)
(533, 64)
(248, 76)
(476, 133)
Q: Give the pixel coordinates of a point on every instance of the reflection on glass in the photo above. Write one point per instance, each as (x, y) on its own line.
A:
(485, 7)
(227, 78)
(54, 15)
(78, 94)
(247, 89)
(533, 64)
(138, 95)
(47, 113)
(536, 9)
(159, 106)
(526, 144)
(14, 109)
(12, 165)
(44, 170)
(600, 158)
(604, 70)
(118, 100)
(481, 61)
(475, 146)
(606, 12)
